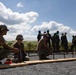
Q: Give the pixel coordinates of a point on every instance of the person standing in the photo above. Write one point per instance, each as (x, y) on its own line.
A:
(65, 43)
(49, 38)
(73, 45)
(57, 40)
(39, 35)
(53, 43)
(62, 40)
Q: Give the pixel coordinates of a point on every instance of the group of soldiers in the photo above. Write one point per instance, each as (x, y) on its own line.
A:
(55, 41)
(45, 47)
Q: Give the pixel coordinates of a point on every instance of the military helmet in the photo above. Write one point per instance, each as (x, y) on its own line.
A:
(19, 37)
(3, 27)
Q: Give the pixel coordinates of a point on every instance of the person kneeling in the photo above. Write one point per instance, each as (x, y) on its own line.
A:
(43, 49)
(21, 55)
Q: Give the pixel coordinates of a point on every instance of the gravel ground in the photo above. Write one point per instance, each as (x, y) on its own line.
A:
(59, 68)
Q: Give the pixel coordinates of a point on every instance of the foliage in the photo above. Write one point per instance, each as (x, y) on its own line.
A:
(10, 43)
(31, 45)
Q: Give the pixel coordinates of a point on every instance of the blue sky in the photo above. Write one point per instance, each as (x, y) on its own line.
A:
(26, 17)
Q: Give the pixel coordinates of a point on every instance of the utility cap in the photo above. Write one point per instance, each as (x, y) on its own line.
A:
(3, 27)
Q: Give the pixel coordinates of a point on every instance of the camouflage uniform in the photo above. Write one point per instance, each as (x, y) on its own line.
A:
(39, 35)
(49, 38)
(21, 55)
(4, 48)
(42, 50)
(3, 51)
(73, 43)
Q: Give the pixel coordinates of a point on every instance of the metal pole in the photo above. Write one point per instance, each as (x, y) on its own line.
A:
(72, 53)
(53, 56)
(64, 53)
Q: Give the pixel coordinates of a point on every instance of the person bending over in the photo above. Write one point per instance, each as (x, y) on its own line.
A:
(4, 48)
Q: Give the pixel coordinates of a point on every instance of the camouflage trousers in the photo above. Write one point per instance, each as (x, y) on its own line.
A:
(4, 53)
(45, 52)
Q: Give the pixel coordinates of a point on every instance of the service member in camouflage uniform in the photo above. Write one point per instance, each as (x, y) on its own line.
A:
(39, 35)
(49, 38)
(4, 48)
(73, 46)
(21, 55)
(43, 49)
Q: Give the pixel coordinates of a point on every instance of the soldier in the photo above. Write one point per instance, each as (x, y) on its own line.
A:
(21, 55)
(65, 43)
(49, 38)
(62, 40)
(43, 49)
(4, 48)
(54, 43)
(73, 43)
(57, 40)
(39, 35)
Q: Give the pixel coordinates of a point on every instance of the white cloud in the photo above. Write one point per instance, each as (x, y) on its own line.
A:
(30, 33)
(9, 17)
(19, 5)
(53, 26)
(20, 23)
